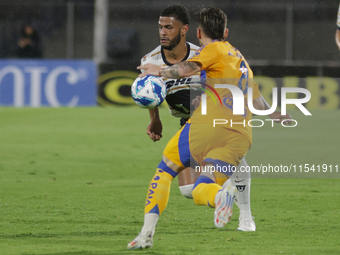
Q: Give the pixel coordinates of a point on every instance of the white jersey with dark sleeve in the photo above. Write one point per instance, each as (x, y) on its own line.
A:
(179, 92)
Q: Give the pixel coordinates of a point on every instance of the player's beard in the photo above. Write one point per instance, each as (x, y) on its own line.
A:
(173, 43)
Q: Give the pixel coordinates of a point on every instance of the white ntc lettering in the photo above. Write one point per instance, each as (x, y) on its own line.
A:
(50, 85)
(238, 100)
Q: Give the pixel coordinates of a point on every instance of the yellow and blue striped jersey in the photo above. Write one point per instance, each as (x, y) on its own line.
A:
(223, 64)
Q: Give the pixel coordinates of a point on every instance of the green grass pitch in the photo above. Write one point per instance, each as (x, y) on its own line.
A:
(74, 181)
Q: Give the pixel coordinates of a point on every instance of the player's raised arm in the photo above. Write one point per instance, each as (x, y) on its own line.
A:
(261, 104)
(183, 69)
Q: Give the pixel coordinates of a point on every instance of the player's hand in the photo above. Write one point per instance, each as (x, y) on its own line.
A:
(196, 101)
(149, 69)
(154, 130)
(278, 117)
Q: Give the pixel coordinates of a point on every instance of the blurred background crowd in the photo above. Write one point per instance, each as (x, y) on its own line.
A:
(263, 30)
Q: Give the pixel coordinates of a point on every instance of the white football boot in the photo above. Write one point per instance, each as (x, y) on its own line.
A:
(247, 224)
(141, 242)
(224, 201)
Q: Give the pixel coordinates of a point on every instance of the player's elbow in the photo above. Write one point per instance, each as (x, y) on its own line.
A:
(189, 68)
(259, 104)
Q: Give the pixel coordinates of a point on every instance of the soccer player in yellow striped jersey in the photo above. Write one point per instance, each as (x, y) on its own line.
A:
(218, 147)
(173, 25)
(223, 64)
(337, 34)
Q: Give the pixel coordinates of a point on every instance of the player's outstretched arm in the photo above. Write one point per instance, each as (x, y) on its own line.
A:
(183, 69)
(261, 104)
(278, 117)
(154, 129)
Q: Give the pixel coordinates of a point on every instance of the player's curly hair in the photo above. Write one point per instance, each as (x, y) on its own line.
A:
(177, 11)
(213, 21)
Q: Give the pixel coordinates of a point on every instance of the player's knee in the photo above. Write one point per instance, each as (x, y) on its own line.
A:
(164, 167)
(186, 190)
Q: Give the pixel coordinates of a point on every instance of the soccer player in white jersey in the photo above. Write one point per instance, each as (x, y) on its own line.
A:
(173, 25)
(337, 34)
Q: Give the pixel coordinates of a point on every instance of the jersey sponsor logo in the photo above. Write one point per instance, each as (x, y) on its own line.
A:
(173, 86)
(183, 81)
(195, 86)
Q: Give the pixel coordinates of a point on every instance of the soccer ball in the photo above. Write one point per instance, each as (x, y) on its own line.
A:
(148, 92)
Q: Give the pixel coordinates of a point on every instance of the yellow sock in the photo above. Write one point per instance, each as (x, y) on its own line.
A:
(158, 192)
(204, 193)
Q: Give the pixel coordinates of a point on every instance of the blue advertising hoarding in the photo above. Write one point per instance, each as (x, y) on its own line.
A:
(47, 83)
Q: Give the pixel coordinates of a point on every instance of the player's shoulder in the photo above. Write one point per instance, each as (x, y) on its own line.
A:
(218, 45)
(153, 56)
(210, 47)
(193, 47)
(222, 48)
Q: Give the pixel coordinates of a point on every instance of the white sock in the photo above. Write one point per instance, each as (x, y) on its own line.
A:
(186, 190)
(228, 183)
(150, 221)
(242, 181)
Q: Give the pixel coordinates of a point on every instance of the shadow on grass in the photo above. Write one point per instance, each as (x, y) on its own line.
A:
(96, 253)
(50, 235)
(73, 253)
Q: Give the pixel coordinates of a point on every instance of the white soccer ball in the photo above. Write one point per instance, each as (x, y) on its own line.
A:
(149, 91)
